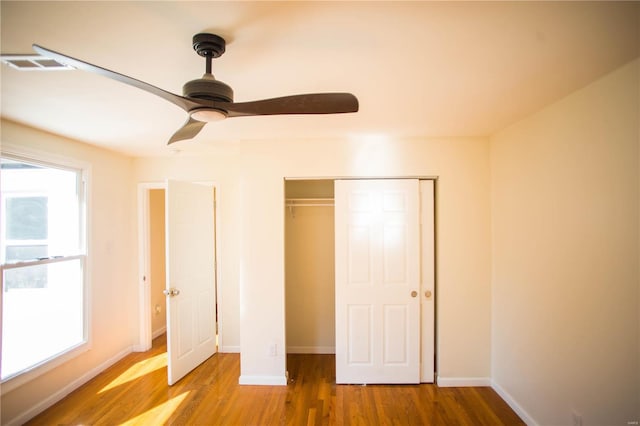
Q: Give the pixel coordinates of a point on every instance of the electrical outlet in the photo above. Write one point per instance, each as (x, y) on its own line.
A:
(273, 349)
(577, 419)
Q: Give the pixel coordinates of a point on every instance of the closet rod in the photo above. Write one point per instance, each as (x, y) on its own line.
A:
(309, 199)
(309, 202)
(292, 203)
(310, 205)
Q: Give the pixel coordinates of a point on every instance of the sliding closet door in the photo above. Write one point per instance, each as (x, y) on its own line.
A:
(427, 280)
(377, 281)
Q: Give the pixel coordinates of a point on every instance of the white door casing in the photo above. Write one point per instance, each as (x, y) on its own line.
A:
(190, 247)
(377, 281)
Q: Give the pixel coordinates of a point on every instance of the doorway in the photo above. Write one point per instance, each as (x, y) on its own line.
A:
(157, 262)
(156, 254)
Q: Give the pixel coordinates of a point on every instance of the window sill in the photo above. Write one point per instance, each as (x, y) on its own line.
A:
(11, 383)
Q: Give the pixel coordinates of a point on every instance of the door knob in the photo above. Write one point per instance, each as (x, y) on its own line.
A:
(414, 293)
(427, 294)
(171, 292)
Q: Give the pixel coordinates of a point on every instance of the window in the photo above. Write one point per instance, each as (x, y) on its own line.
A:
(43, 259)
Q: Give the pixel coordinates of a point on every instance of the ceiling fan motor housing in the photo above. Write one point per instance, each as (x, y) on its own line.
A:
(208, 88)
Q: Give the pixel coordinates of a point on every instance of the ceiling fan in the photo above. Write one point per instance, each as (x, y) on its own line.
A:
(207, 99)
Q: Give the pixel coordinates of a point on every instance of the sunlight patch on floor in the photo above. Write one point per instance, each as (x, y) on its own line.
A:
(137, 370)
(160, 414)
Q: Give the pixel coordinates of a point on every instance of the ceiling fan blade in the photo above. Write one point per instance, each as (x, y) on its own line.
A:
(180, 101)
(188, 131)
(314, 103)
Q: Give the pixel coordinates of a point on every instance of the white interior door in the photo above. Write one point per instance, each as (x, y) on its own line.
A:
(377, 281)
(427, 278)
(191, 295)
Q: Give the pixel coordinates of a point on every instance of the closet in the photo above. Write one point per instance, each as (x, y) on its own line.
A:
(360, 276)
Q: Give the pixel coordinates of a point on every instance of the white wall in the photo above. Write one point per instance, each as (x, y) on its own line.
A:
(112, 273)
(251, 236)
(565, 210)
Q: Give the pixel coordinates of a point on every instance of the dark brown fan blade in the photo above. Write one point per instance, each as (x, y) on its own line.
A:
(188, 131)
(180, 101)
(314, 103)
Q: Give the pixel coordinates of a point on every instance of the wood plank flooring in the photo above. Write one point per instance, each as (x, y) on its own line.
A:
(134, 391)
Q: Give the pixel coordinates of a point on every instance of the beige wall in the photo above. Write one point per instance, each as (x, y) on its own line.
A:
(113, 293)
(157, 260)
(310, 280)
(565, 210)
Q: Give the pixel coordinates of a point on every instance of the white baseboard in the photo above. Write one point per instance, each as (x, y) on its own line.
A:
(229, 349)
(458, 382)
(52, 399)
(141, 348)
(311, 349)
(263, 380)
(159, 332)
(144, 348)
(513, 404)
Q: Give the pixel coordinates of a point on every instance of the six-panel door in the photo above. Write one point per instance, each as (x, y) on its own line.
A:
(191, 298)
(377, 281)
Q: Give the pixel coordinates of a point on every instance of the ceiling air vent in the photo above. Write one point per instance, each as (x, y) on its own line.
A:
(33, 63)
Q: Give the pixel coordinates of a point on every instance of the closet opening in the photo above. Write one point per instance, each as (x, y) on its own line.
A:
(309, 266)
(382, 232)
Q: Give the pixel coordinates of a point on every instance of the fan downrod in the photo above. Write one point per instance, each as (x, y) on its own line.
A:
(208, 45)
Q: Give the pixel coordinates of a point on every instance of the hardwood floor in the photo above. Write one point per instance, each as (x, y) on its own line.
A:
(134, 391)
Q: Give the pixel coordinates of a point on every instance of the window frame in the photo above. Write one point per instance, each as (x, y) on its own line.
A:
(83, 170)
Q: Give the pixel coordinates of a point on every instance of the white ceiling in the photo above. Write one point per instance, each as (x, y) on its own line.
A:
(419, 69)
